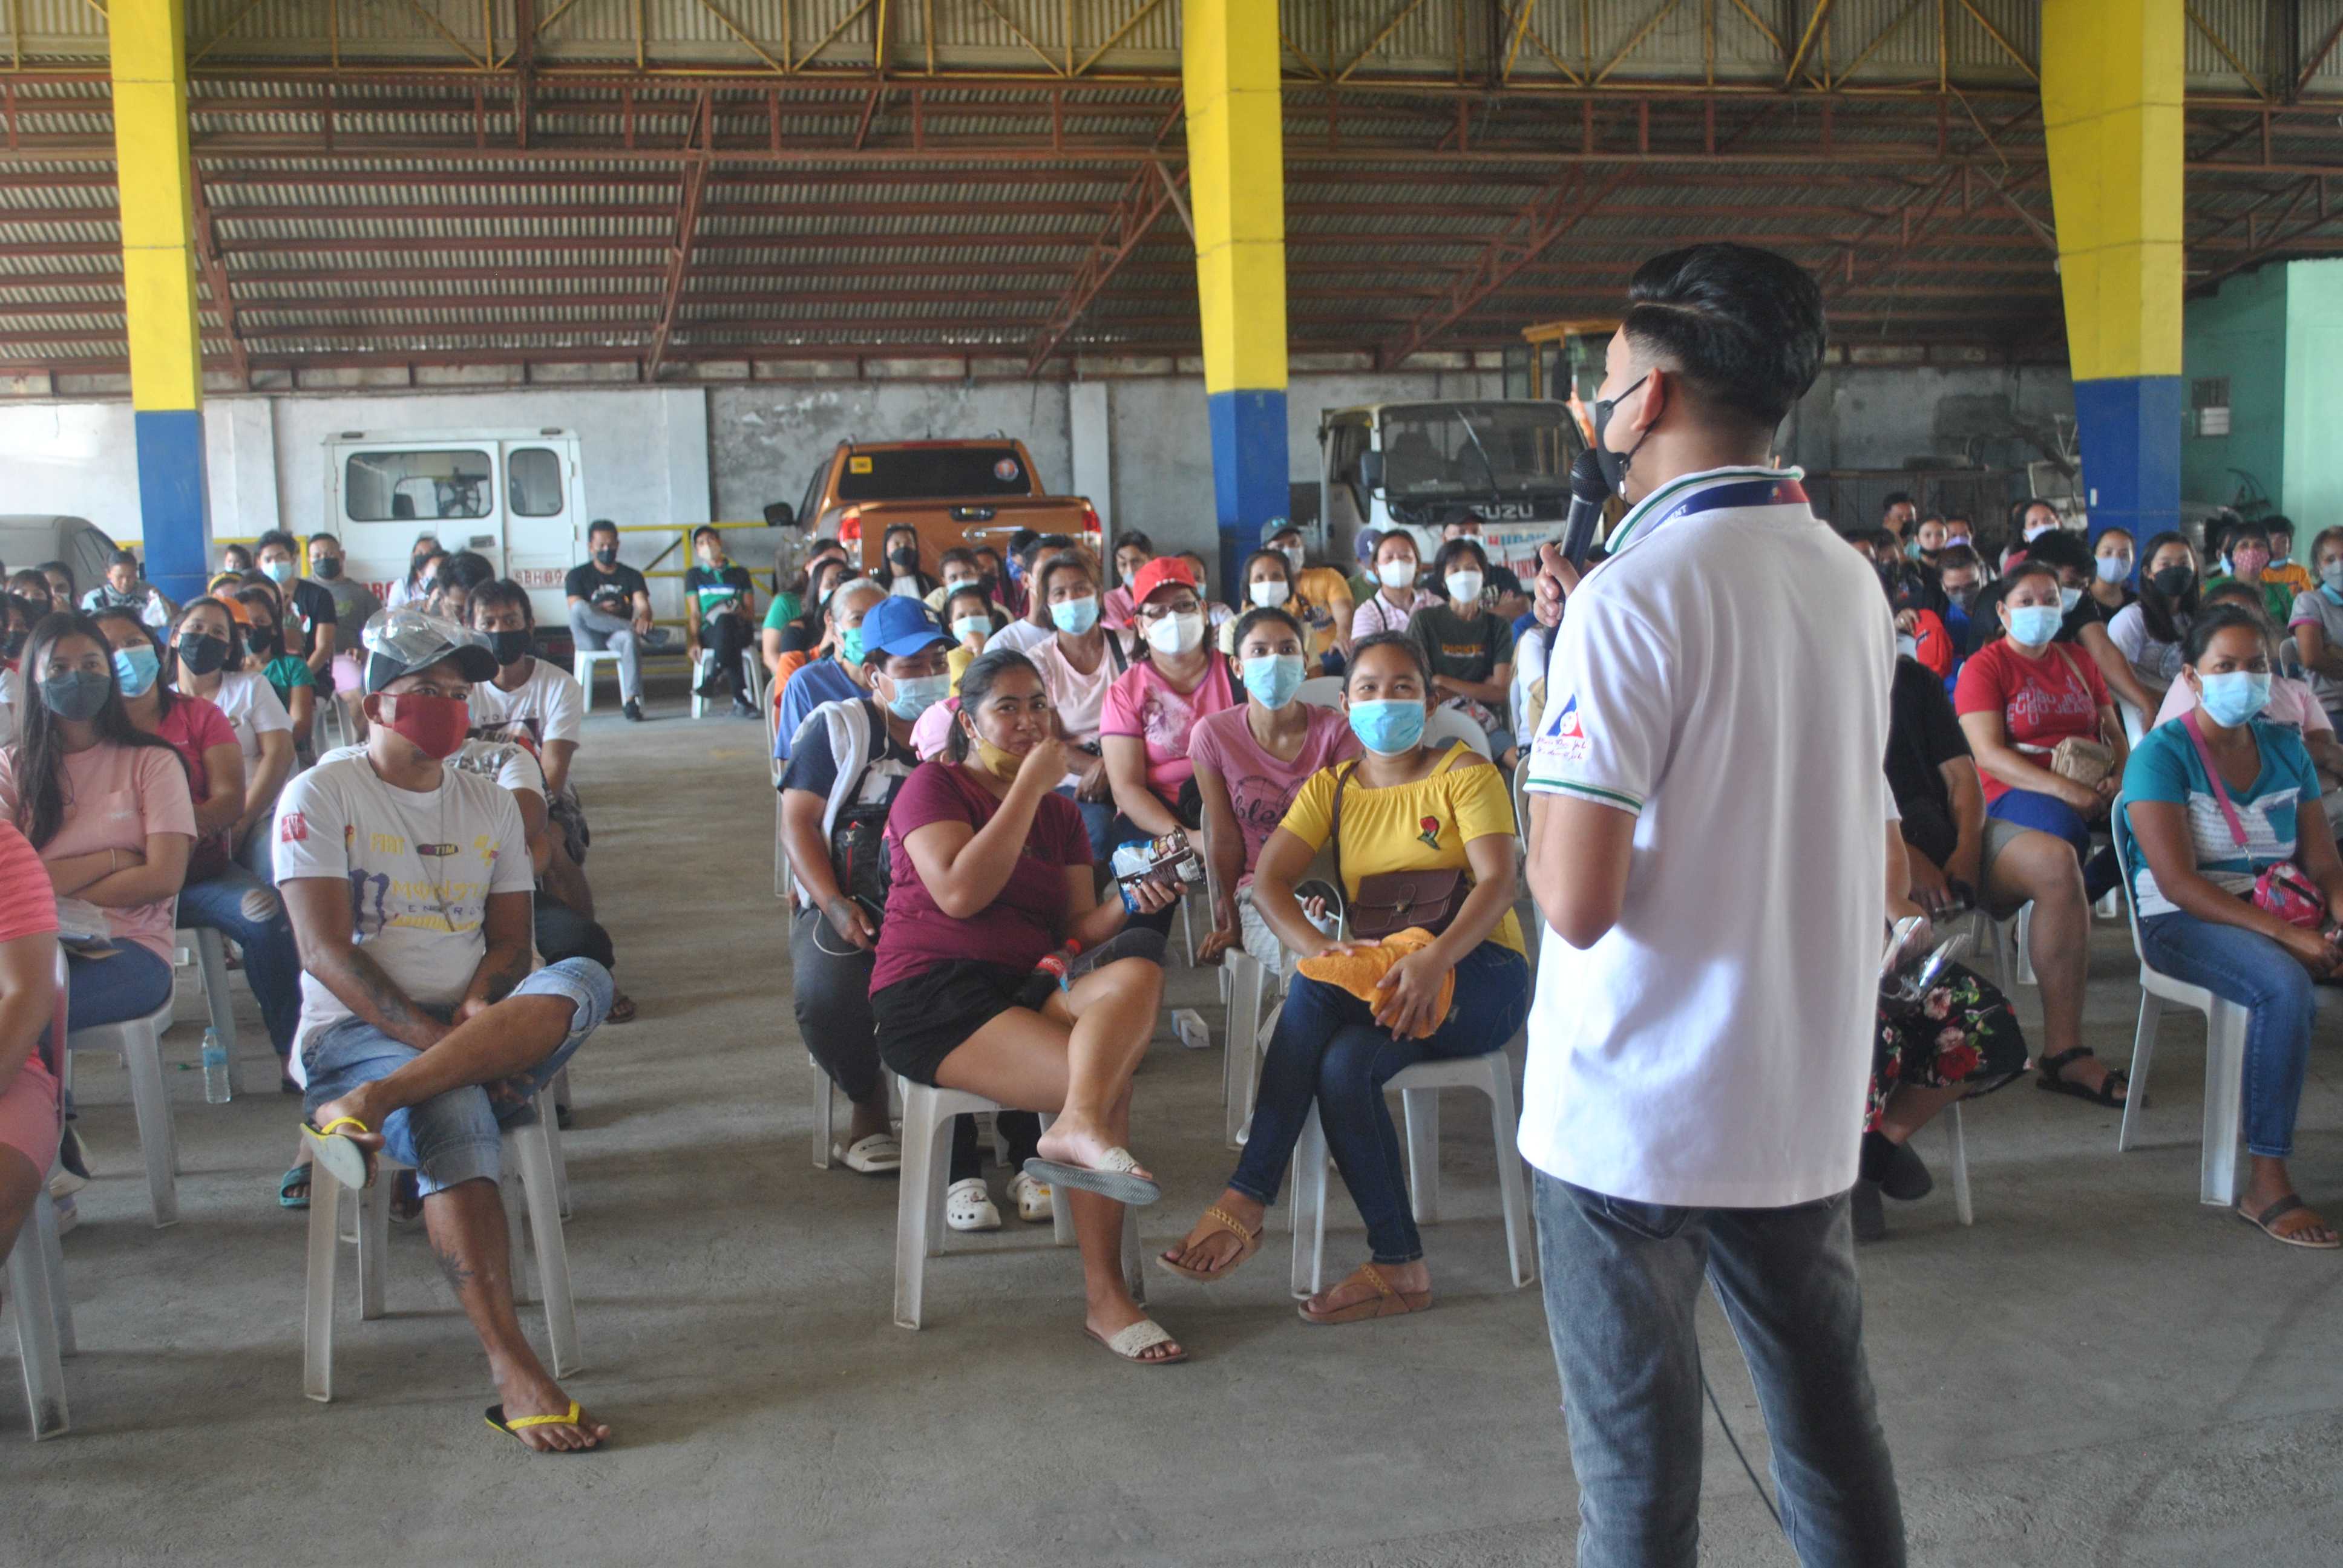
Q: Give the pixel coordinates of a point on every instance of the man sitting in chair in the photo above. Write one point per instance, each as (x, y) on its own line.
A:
(422, 1028)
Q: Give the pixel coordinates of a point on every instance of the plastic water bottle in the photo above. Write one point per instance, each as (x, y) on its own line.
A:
(215, 1085)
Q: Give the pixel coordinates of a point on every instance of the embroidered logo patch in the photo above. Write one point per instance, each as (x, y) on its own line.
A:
(1431, 834)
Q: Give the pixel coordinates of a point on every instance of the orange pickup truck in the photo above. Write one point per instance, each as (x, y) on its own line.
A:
(954, 493)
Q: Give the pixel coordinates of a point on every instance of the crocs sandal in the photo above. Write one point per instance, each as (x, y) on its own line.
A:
(969, 1206)
(2105, 1094)
(1035, 1204)
(1248, 1244)
(298, 1176)
(495, 1418)
(881, 1154)
(1386, 1303)
(1110, 1179)
(343, 1159)
(1130, 1344)
(2279, 1210)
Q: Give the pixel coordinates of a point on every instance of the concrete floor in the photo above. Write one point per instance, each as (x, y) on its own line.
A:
(2100, 1371)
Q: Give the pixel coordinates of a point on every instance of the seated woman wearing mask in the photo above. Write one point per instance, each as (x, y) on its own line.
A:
(2020, 696)
(2147, 631)
(1131, 551)
(899, 568)
(992, 874)
(1394, 603)
(17, 619)
(1251, 762)
(207, 662)
(1403, 806)
(1077, 669)
(220, 893)
(1271, 582)
(1470, 649)
(289, 675)
(798, 629)
(2213, 802)
(2317, 624)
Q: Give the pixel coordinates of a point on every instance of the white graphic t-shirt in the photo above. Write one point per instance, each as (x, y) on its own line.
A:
(547, 705)
(420, 867)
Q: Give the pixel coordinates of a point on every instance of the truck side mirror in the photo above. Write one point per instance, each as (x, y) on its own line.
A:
(780, 514)
(1370, 469)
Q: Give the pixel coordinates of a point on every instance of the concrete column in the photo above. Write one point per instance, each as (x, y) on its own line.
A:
(2112, 82)
(1236, 181)
(155, 181)
(1087, 433)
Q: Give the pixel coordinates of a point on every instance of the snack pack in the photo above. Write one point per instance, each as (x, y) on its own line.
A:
(1169, 860)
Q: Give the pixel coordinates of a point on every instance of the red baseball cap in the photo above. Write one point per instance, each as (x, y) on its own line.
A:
(1156, 573)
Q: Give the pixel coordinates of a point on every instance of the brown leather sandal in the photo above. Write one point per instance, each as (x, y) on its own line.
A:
(1248, 1244)
(1387, 1301)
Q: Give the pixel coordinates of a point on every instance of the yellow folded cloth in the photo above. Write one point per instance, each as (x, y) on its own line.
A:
(1357, 972)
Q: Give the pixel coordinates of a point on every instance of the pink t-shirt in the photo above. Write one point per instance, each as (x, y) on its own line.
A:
(1261, 786)
(28, 905)
(2291, 703)
(117, 796)
(1115, 607)
(1142, 704)
(193, 727)
(1080, 699)
(1379, 613)
(1020, 927)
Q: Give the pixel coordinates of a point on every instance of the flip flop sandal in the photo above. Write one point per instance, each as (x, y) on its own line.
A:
(1387, 1301)
(622, 1010)
(2279, 1210)
(2105, 1094)
(298, 1176)
(1110, 1179)
(880, 1154)
(495, 1414)
(343, 1160)
(1248, 1244)
(1131, 1343)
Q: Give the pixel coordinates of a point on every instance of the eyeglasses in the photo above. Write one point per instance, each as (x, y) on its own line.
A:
(1187, 605)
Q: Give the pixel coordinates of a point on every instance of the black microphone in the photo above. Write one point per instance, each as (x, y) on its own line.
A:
(1588, 491)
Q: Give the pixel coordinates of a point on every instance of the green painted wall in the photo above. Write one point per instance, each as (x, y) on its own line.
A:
(2241, 333)
(2314, 397)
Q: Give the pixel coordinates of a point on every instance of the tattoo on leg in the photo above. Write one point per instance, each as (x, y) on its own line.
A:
(459, 1273)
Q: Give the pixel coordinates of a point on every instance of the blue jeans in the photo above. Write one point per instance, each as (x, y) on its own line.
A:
(248, 912)
(2049, 814)
(2248, 968)
(1098, 817)
(1328, 1047)
(454, 1138)
(132, 983)
(1620, 1281)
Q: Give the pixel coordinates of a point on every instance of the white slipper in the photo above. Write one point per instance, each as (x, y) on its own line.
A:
(1128, 1343)
(968, 1206)
(881, 1154)
(1035, 1205)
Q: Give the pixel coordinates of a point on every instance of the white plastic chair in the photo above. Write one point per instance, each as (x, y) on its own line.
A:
(528, 1156)
(825, 1111)
(1443, 725)
(139, 1043)
(37, 1294)
(928, 1115)
(583, 662)
(210, 954)
(1490, 1074)
(1321, 691)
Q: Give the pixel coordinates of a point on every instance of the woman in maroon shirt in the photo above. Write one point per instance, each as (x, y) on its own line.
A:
(991, 873)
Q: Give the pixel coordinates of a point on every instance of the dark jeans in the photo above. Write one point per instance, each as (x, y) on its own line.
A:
(726, 636)
(2248, 968)
(563, 934)
(1620, 1281)
(1098, 820)
(1328, 1047)
(831, 994)
(248, 912)
(132, 983)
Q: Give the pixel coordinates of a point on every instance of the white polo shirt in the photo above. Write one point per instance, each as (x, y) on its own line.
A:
(1724, 677)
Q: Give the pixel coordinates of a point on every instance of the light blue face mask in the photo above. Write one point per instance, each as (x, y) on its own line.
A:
(2231, 698)
(1388, 728)
(968, 626)
(136, 667)
(2035, 624)
(915, 694)
(1274, 678)
(849, 645)
(1075, 616)
(2068, 598)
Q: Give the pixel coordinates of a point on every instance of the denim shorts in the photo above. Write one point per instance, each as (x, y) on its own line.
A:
(454, 1137)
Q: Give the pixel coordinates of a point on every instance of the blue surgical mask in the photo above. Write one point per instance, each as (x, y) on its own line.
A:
(136, 667)
(1075, 616)
(2035, 624)
(969, 625)
(915, 694)
(1388, 728)
(2113, 568)
(2231, 699)
(849, 645)
(279, 570)
(1274, 678)
(2068, 598)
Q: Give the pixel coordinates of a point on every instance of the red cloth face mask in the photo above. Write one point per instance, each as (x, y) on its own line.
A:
(435, 726)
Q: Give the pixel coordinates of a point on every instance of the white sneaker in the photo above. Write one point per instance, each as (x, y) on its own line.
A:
(1034, 1204)
(968, 1206)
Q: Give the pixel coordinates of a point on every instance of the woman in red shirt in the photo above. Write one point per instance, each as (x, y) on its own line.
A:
(2018, 696)
(29, 1119)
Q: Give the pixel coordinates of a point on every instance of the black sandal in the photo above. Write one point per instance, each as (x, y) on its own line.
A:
(2105, 1094)
(2278, 1210)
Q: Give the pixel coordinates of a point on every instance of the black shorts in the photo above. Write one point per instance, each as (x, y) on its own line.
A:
(922, 1019)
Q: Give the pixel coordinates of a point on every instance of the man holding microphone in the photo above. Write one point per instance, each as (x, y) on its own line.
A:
(1710, 822)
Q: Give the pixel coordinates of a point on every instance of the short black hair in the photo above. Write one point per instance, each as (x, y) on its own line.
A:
(1021, 540)
(499, 592)
(958, 556)
(601, 526)
(2060, 549)
(2243, 530)
(1893, 500)
(1957, 558)
(124, 558)
(1455, 548)
(466, 569)
(1133, 539)
(2213, 622)
(1744, 326)
(1255, 617)
(276, 537)
(328, 538)
(1404, 640)
(2278, 523)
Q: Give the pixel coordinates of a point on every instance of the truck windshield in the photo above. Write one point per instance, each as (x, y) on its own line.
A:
(1473, 449)
(919, 473)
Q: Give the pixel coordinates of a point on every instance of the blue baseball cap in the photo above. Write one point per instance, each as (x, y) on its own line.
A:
(901, 628)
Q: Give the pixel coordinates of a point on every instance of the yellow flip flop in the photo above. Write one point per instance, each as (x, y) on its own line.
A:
(345, 1160)
(495, 1415)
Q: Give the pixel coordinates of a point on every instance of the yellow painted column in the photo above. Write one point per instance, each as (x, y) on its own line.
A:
(1236, 182)
(2113, 77)
(156, 180)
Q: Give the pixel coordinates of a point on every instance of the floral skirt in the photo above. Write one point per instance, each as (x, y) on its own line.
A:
(1962, 1032)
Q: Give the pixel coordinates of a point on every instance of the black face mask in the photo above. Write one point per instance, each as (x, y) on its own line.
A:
(509, 646)
(77, 694)
(1962, 597)
(328, 568)
(1614, 464)
(263, 643)
(905, 559)
(990, 584)
(12, 645)
(2173, 582)
(201, 655)
(607, 554)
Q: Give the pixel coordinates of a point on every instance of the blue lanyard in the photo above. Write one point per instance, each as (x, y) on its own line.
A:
(1765, 490)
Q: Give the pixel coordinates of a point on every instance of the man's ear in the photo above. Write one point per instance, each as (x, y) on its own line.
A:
(371, 706)
(1659, 392)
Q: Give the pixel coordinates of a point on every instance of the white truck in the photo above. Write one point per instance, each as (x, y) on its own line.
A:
(1421, 466)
